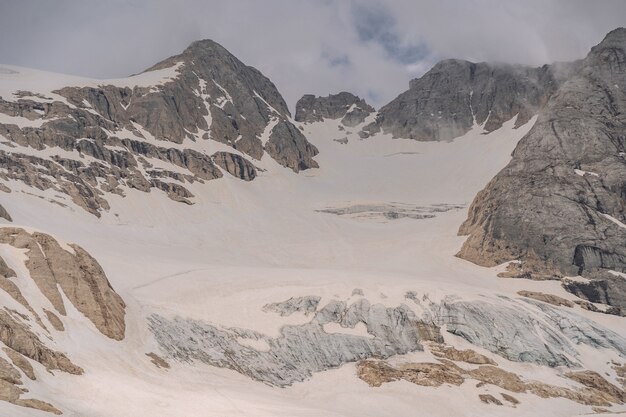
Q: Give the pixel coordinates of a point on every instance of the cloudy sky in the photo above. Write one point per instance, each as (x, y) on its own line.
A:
(369, 47)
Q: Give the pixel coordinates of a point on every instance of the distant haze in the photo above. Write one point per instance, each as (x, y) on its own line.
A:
(369, 47)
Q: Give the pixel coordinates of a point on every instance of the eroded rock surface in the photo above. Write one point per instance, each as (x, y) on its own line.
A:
(454, 95)
(351, 109)
(5, 214)
(594, 389)
(60, 272)
(547, 298)
(89, 141)
(560, 202)
(77, 274)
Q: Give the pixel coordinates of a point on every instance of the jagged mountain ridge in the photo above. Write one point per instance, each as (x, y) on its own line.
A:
(518, 216)
(454, 95)
(143, 135)
(237, 280)
(560, 205)
(351, 109)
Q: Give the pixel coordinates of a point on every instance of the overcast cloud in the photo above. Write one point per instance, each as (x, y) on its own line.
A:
(369, 47)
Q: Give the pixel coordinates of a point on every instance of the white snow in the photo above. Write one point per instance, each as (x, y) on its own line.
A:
(243, 245)
(583, 173)
(614, 220)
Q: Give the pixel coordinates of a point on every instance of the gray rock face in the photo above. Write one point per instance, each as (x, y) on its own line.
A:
(604, 289)
(289, 147)
(562, 198)
(351, 109)
(300, 350)
(448, 99)
(213, 96)
(235, 165)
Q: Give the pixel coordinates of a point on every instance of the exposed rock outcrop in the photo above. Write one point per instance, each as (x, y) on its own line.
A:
(547, 298)
(454, 95)
(5, 214)
(595, 389)
(107, 138)
(18, 337)
(77, 274)
(235, 165)
(289, 147)
(466, 355)
(601, 288)
(351, 109)
(10, 390)
(561, 200)
(60, 272)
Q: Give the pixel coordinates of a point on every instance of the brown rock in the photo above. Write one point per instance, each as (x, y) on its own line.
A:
(78, 275)
(509, 398)
(54, 320)
(594, 380)
(489, 399)
(546, 298)
(21, 362)
(468, 355)
(5, 214)
(18, 337)
(158, 361)
(376, 373)
(38, 405)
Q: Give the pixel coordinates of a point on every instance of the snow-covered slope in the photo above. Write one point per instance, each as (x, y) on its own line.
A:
(244, 245)
(309, 291)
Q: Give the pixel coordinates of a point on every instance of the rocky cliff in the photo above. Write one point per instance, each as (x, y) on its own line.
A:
(559, 206)
(351, 109)
(33, 265)
(150, 131)
(454, 95)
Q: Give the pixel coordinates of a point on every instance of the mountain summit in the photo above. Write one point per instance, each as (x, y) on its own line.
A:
(175, 112)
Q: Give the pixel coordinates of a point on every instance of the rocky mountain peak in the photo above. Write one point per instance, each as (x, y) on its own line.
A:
(455, 95)
(610, 54)
(165, 115)
(559, 205)
(351, 109)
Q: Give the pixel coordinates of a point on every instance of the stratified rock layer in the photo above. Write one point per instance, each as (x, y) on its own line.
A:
(90, 141)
